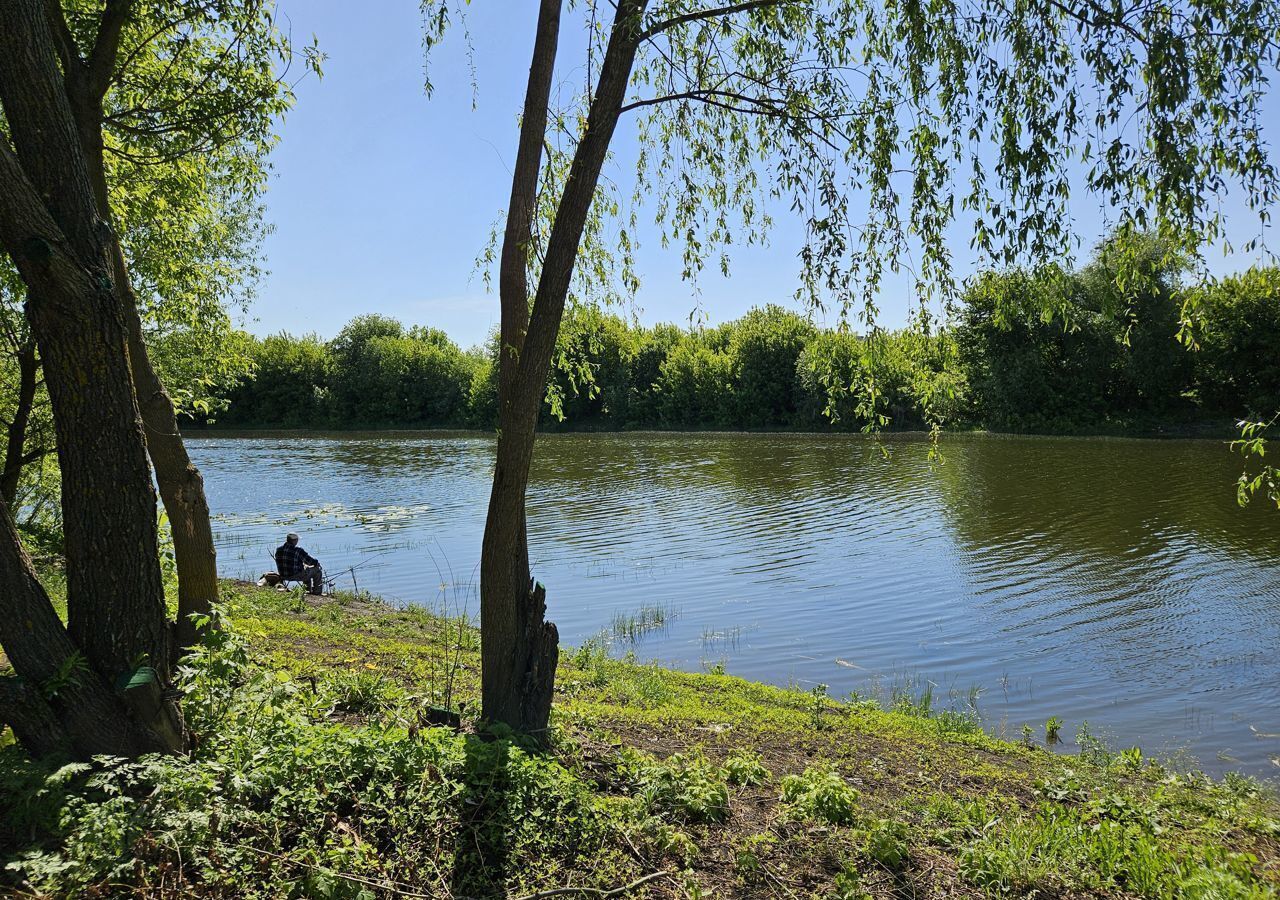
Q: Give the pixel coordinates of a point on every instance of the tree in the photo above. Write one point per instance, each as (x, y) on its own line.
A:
(181, 80)
(864, 116)
(1239, 320)
(22, 447)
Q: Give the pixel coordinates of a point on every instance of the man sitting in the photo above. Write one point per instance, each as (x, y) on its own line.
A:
(295, 564)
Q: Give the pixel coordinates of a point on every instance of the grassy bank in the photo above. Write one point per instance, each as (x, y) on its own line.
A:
(320, 771)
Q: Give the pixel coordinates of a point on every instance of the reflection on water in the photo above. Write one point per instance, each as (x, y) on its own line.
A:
(1111, 580)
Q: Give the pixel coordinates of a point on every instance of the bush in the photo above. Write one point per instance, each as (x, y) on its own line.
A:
(650, 348)
(744, 767)
(288, 387)
(590, 378)
(820, 793)
(278, 799)
(763, 347)
(1238, 366)
(1049, 350)
(888, 845)
(684, 784)
(695, 384)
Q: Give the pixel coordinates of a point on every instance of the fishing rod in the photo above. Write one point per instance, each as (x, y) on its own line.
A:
(331, 581)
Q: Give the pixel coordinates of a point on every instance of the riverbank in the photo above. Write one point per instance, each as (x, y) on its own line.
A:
(319, 772)
(1212, 428)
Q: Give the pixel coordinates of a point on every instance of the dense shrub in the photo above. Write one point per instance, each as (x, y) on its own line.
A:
(590, 381)
(1239, 360)
(374, 373)
(1033, 358)
(904, 379)
(828, 374)
(1057, 350)
(695, 384)
(764, 346)
(288, 387)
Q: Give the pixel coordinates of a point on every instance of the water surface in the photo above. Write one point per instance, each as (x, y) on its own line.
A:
(1110, 580)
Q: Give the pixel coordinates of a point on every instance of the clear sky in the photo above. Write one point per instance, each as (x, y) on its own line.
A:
(381, 197)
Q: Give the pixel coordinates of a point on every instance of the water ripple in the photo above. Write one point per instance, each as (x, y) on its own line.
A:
(1101, 579)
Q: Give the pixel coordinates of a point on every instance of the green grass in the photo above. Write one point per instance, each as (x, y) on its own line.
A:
(633, 626)
(318, 772)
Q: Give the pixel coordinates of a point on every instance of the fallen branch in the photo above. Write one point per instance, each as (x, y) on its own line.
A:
(390, 886)
(595, 892)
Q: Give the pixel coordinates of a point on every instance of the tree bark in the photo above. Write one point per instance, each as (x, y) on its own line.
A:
(50, 226)
(519, 651)
(60, 703)
(180, 482)
(516, 644)
(24, 709)
(181, 490)
(15, 449)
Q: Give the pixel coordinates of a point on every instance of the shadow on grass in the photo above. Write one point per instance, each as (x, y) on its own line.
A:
(480, 865)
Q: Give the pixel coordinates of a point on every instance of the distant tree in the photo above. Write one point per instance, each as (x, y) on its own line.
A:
(876, 123)
(1135, 283)
(1047, 348)
(1238, 335)
(1239, 368)
(764, 346)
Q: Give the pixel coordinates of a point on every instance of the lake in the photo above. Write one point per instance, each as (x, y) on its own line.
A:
(1113, 581)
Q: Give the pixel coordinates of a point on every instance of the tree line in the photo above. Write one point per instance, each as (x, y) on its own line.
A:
(1045, 351)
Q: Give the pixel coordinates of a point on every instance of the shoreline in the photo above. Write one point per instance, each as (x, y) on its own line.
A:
(1209, 431)
(324, 767)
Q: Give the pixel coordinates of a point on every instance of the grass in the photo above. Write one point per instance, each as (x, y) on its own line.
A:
(648, 618)
(319, 773)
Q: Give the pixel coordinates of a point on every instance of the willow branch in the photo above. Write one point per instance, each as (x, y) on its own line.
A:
(703, 14)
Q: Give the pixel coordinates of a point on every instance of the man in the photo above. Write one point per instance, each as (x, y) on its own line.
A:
(295, 564)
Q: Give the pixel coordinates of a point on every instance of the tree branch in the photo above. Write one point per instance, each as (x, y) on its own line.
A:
(701, 15)
(600, 893)
(759, 107)
(1101, 18)
(68, 53)
(24, 710)
(34, 455)
(102, 58)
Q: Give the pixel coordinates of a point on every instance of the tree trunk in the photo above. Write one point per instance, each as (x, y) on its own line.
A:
(519, 651)
(180, 482)
(181, 485)
(518, 648)
(59, 704)
(15, 449)
(49, 225)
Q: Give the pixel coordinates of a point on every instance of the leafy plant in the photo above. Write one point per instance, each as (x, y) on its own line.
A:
(685, 784)
(817, 706)
(820, 793)
(849, 885)
(744, 767)
(888, 844)
(747, 856)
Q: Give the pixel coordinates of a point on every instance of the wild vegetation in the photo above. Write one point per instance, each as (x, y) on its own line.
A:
(133, 139)
(1024, 351)
(317, 771)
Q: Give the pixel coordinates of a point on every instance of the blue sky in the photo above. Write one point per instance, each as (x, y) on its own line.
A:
(381, 197)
